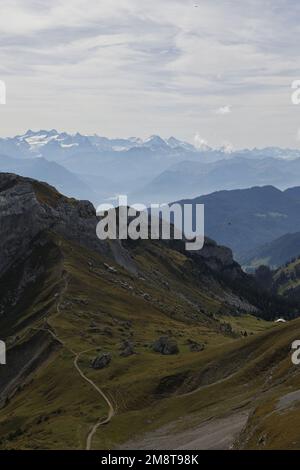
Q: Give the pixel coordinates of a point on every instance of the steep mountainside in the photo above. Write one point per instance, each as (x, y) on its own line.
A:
(123, 334)
(276, 253)
(245, 219)
(286, 280)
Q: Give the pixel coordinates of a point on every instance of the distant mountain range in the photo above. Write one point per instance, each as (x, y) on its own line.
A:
(246, 219)
(190, 178)
(149, 170)
(51, 172)
(56, 145)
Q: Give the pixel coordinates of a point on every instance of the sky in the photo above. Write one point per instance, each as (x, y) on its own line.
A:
(216, 72)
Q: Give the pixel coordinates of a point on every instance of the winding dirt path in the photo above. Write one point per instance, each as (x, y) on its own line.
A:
(111, 411)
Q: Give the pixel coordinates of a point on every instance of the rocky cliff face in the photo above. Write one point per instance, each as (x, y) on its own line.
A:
(219, 259)
(28, 208)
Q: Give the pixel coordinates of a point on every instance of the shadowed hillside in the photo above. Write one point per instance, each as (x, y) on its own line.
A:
(137, 336)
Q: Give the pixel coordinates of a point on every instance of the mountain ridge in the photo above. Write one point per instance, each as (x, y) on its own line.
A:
(275, 253)
(245, 219)
(67, 301)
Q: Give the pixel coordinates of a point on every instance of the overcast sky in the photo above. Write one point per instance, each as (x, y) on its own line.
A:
(220, 70)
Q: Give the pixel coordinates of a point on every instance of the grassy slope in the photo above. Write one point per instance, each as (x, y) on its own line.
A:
(56, 408)
(287, 277)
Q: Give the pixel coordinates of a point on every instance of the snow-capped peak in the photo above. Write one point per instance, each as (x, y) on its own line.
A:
(37, 139)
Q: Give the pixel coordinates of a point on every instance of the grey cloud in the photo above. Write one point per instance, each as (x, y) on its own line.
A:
(166, 59)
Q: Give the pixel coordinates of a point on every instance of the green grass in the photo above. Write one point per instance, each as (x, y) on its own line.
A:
(56, 408)
(248, 323)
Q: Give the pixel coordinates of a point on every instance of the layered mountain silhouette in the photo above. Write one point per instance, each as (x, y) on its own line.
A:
(153, 170)
(52, 172)
(275, 253)
(246, 219)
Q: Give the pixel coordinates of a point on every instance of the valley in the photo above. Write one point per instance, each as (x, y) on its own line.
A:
(113, 344)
